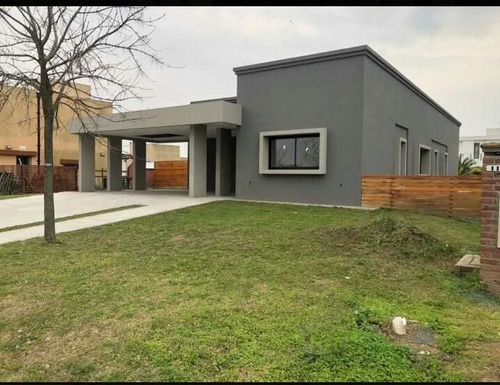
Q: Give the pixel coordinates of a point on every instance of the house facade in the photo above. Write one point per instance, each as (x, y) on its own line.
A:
(19, 142)
(470, 146)
(19, 124)
(300, 130)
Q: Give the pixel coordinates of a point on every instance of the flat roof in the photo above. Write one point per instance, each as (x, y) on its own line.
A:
(230, 99)
(340, 54)
(167, 124)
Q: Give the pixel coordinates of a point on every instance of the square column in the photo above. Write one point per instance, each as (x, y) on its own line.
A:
(86, 163)
(222, 162)
(489, 266)
(139, 166)
(197, 160)
(114, 163)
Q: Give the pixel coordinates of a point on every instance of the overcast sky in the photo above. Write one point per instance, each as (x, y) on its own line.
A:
(453, 54)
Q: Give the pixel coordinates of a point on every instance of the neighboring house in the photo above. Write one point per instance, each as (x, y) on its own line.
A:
(18, 134)
(18, 131)
(154, 152)
(470, 146)
(304, 129)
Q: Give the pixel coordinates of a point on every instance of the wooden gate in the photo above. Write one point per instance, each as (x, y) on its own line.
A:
(171, 174)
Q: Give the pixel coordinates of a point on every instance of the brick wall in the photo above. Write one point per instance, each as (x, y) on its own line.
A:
(490, 252)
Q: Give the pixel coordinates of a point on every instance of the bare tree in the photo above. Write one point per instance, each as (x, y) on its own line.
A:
(49, 49)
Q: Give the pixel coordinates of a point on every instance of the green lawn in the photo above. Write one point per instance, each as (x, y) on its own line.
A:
(246, 291)
(11, 196)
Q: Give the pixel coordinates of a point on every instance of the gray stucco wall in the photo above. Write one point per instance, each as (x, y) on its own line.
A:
(390, 110)
(323, 94)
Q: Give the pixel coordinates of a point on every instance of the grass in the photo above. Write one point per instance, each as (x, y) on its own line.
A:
(238, 291)
(69, 217)
(11, 196)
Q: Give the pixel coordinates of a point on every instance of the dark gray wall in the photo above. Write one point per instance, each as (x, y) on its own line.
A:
(389, 105)
(323, 94)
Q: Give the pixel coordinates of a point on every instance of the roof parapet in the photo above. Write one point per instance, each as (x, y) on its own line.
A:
(362, 50)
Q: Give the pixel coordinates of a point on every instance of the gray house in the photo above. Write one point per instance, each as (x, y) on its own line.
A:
(302, 130)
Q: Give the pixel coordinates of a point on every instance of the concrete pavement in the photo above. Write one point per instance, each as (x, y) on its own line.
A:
(27, 210)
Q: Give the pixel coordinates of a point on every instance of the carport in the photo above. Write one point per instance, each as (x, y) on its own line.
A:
(192, 123)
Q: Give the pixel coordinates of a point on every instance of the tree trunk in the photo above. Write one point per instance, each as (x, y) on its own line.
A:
(48, 191)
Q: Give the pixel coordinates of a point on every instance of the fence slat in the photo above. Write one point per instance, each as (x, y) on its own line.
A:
(171, 174)
(29, 179)
(449, 195)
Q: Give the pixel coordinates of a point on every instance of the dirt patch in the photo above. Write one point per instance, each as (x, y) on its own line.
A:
(12, 307)
(486, 361)
(51, 352)
(178, 238)
(420, 338)
(394, 237)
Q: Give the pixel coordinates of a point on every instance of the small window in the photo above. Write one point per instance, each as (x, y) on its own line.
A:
(445, 163)
(424, 160)
(436, 162)
(300, 152)
(23, 160)
(403, 156)
(476, 150)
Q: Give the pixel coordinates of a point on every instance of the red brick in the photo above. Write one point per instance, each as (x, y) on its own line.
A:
(487, 275)
(487, 241)
(491, 269)
(490, 249)
(490, 261)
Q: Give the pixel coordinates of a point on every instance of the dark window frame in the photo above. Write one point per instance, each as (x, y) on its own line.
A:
(276, 137)
(478, 147)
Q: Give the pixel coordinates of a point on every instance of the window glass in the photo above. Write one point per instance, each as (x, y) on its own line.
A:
(476, 150)
(307, 152)
(282, 152)
(425, 161)
(402, 157)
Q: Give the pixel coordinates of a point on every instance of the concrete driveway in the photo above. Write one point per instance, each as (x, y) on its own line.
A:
(26, 210)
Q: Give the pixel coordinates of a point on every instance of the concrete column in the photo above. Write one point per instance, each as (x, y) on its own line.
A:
(114, 163)
(139, 167)
(86, 162)
(197, 160)
(489, 267)
(222, 162)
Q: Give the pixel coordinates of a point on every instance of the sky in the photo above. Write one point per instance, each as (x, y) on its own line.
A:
(451, 53)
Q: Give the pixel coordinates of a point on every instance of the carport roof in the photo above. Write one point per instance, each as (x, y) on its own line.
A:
(168, 124)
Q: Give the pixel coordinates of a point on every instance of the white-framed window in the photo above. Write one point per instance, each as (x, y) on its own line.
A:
(403, 156)
(436, 162)
(424, 160)
(445, 163)
(300, 151)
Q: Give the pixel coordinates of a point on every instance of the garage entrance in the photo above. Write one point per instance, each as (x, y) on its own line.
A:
(209, 128)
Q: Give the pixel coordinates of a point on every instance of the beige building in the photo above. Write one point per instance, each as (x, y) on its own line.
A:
(18, 130)
(18, 133)
(154, 152)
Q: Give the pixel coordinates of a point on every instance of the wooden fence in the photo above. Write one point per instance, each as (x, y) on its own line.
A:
(28, 179)
(458, 196)
(171, 174)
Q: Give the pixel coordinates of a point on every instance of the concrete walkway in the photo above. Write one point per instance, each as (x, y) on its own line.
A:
(19, 211)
